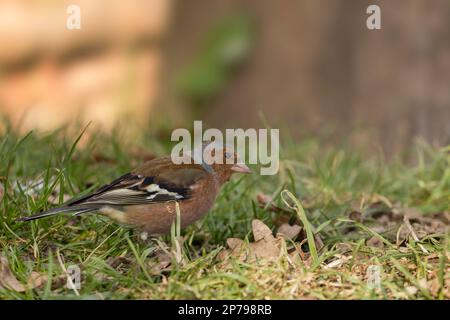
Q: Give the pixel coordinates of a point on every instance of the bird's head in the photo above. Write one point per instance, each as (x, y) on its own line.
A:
(223, 161)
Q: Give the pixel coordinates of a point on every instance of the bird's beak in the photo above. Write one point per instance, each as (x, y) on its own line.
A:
(241, 168)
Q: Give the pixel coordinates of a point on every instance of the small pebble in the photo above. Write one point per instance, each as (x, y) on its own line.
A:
(144, 236)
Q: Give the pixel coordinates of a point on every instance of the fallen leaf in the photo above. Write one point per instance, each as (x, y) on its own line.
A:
(234, 243)
(289, 232)
(398, 224)
(418, 225)
(163, 261)
(223, 255)
(318, 241)
(7, 278)
(265, 246)
(36, 280)
(263, 249)
(59, 282)
(375, 242)
(355, 216)
(236, 250)
(9, 281)
(261, 231)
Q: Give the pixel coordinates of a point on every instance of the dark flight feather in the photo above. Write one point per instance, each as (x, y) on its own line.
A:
(132, 189)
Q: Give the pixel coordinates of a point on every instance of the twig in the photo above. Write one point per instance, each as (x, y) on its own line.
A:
(69, 278)
(413, 233)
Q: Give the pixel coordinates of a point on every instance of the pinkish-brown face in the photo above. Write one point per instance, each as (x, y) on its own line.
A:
(225, 162)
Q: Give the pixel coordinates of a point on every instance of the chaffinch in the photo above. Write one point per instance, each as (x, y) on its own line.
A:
(145, 198)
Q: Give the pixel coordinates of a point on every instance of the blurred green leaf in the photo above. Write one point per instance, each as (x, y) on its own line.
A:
(225, 46)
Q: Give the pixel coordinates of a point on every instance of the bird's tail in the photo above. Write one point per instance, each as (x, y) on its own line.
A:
(75, 210)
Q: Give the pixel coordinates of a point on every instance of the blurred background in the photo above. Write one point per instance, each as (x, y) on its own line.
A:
(308, 67)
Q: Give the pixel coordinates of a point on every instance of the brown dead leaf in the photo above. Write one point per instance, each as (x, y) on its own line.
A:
(436, 221)
(261, 231)
(223, 255)
(355, 216)
(36, 280)
(418, 225)
(265, 246)
(7, 278)
(397, 224)
(289, 232)
(264, 250)
(235, 243)
(235, 250)
(375, 242)
(235, 246)
(163, 261)
(318, 241)
(9, 281)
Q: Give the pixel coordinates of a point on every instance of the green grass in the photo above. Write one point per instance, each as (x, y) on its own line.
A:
(328, 183)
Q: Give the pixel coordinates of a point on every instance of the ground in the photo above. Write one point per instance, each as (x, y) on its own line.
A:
(333, 224)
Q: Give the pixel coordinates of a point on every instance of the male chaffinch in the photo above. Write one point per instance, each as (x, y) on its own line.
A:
(145, 198)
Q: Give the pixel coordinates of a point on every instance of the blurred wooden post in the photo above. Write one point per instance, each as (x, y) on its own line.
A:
(105, 72)
(317, 67)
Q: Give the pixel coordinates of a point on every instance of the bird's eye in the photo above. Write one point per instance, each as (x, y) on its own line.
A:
(227, 155)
